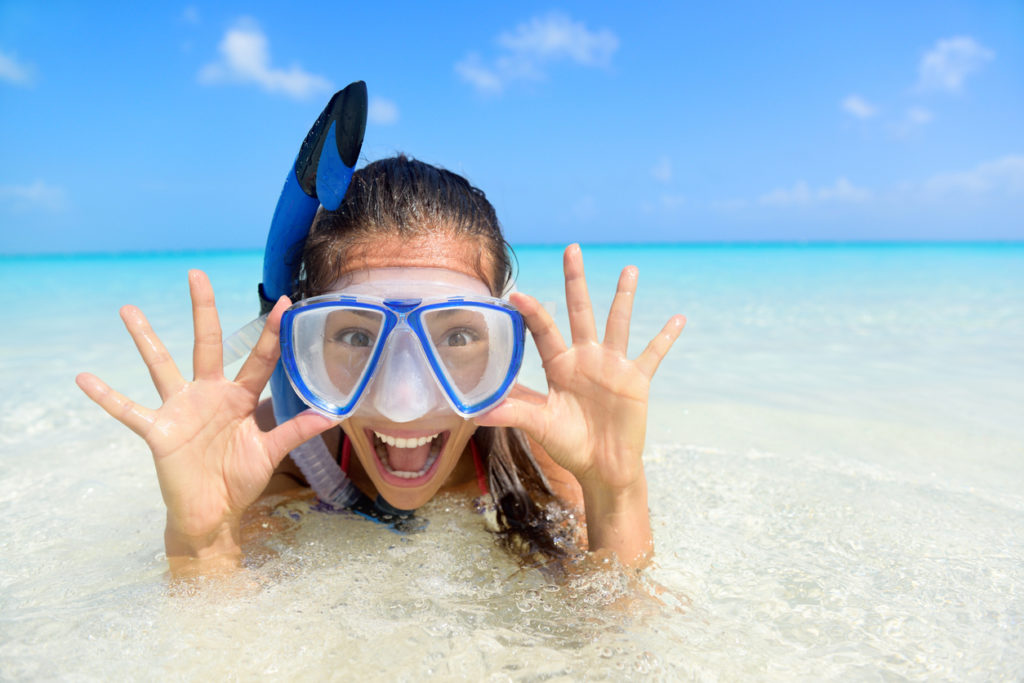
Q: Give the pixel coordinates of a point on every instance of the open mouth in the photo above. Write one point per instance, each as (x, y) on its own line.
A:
(407, 461)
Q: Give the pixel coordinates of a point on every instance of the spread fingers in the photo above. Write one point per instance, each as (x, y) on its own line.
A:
(208, 350)
(650, 359)
(260, 364)
(616, 334)
(542, 326)
(124, 410)
(577, 298)
(162, 369)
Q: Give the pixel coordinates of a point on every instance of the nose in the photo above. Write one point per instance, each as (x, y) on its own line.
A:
(404, 390)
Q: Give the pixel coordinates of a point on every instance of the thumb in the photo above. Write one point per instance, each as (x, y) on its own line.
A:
(520, 414)
(301, 428)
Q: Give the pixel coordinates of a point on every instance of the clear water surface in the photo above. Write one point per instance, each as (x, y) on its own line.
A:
(835, 456)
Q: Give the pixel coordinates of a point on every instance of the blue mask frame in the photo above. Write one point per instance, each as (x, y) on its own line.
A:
(395, 312)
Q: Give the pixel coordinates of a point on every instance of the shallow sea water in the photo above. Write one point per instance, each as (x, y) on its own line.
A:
(835, 458)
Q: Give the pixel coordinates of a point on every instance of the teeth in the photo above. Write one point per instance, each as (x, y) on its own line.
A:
(382, 453)
(400, 442)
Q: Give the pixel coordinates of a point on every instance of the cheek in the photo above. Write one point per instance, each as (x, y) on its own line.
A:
(454, 448)
(466, 366)
(345, 366)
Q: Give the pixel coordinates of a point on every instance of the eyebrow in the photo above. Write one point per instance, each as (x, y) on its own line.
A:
(448, 312)
(370, 315)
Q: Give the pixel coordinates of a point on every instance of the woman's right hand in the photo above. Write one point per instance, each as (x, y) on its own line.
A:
(211, 458)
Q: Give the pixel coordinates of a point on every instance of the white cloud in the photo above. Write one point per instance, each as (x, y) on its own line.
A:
(919, 116)
(950, 62)
(382, 112)
(802, 194)
(38, 195)
(843, 191)
(994, 185)
(14, 72)
(859, 107)
(1004, 176)
(481, 77)
(799, 194)
(556, 36)
(245, 58)
(915, 118)
(532, 46)
(662, 171)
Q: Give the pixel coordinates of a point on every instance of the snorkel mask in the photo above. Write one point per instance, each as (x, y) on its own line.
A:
(403, 344)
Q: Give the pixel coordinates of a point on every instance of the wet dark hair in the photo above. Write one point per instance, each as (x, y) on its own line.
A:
(410, 199)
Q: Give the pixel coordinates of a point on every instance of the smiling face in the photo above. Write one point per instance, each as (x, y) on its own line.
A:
(409, 461)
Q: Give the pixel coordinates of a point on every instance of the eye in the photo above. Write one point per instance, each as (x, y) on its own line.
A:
(462, 336)
(353, 336)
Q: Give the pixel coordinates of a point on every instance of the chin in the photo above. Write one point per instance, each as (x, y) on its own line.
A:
(408, 462)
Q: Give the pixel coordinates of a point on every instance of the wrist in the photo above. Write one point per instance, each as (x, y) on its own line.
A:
(224, 541)
(618, 520)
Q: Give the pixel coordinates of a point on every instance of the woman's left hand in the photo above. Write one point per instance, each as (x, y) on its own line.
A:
(594, 418)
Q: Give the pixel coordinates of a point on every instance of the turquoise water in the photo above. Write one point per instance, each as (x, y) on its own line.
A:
(835, 455)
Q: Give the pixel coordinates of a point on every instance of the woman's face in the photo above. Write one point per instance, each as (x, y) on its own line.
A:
(409, 461)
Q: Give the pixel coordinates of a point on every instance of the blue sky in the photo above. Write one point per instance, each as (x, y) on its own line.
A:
(171, 126)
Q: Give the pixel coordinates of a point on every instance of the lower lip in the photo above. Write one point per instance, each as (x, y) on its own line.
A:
(402, 482)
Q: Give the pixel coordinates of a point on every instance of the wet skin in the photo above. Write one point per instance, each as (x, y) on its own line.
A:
(459, 256)
(409, 471)
(213, 459)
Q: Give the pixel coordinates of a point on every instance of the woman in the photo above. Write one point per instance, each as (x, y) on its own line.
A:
(403, 227)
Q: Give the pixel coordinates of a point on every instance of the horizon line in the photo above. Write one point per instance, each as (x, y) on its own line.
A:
(810, 243)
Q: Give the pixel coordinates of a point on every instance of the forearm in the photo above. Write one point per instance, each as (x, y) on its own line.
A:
(619, 522)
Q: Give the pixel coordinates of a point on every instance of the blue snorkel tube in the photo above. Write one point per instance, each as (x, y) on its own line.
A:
(320, 176)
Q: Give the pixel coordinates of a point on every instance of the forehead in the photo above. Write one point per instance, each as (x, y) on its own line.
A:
(457, 254)
(411, 281)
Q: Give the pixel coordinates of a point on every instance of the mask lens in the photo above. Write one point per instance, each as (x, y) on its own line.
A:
(334, 349)
(473, 345)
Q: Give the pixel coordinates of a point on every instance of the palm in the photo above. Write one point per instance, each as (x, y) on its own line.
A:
(593, 420)
(207, 450)
(595, 398)
(212, 459)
